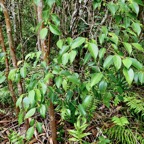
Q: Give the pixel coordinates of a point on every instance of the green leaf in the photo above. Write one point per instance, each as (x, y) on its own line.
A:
(72, 56)
(31, 96)
(38, 95)
(39, 127)
(114, 38)
(128, 47)
(26, 103)
(87, 102)
(141, 77)
(63, 50)
(102, 86)
(108, 61)
(102, 52)
(43, 111)
(65, 58)
(138, 46)
(64, 84)
(112, 7)
(30, 113)
(139, 2)
(135, 7)
(82, 110)
(58, 81)
(101, 38)
(54, 29)
(96, 79)
(120, 121)
(60, 43)
(55, 19)
(50, 2)
(117, 61)
(12, 74)
(19, 101)
(127, 62)
(129, 75)
(136, 64)
(93, 49)
(73, 79)
(136, 27)
(87, 58)
(77, 42)
(29, 133)
(23, 72)
(43, 33)
(20, 117)
(2, 79)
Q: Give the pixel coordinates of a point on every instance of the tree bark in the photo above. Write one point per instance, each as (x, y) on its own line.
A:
(45, 53)
(10, 85)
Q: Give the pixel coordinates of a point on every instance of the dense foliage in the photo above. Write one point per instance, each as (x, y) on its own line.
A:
(72, 71)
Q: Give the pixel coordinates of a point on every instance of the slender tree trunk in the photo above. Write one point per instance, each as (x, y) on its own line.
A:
(10, 85)
(11, 45)
(45, 53)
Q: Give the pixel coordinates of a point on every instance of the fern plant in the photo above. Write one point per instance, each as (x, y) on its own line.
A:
(135, 104)
(122, 135)
(120, 121)
(15, 138)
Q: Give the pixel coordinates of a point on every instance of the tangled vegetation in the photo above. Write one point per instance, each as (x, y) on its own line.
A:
(71, 71)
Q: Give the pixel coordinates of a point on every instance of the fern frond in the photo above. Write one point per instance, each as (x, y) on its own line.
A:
(135, 104)
(123, 135)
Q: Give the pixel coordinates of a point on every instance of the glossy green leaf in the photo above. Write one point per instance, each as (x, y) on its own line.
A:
(108, 61)
(55, 19)
(65, 58)
(114, 38)
(31, 96)
(60, 43)
(93, 49)
(136, 27)
(135, 7)
(43, 111)
(20, 117)
(12, 74)
(77, 42)
(54, 29)
(23, 72)
(138, 46)
(140, 2)
(58, 81)
(117, 61)
(64, 84)
(19, 101)
(72, 56)
(128, 47)
(102, 52)
(129, 75)
(43, 33)
(29, 133)
(102, 86)
(63, 50)
(87, 102)
(112, 7)
(96, 78)
(136, 64)
(39, 127)
(82, 110)
(87, 58)
(101, 38)
(2, 79)
(141, 77)
(37, 95)
(127, 62)
(30, 113)
(50, 2)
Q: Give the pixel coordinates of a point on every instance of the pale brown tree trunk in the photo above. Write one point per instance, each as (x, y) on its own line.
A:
(45, 53)
(10, 85)
(11, 45)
